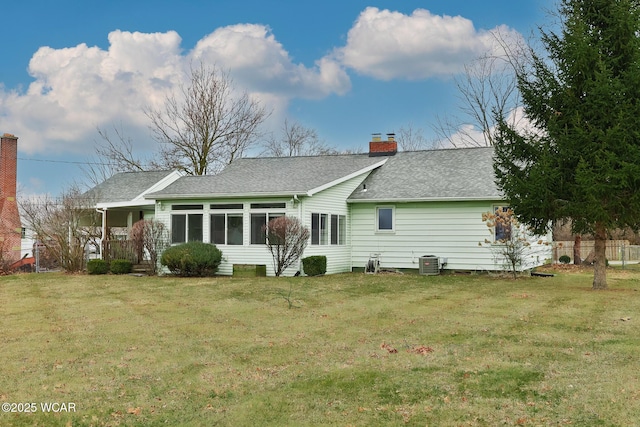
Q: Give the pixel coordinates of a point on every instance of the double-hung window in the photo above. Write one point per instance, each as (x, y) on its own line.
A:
(186, 226)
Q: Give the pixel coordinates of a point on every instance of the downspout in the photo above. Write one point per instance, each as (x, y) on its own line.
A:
(103, 213)
(296, 200)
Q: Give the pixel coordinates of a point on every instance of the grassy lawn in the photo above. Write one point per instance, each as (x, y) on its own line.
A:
(355, 350)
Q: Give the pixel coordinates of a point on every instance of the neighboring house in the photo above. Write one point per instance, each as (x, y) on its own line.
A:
(394, 206)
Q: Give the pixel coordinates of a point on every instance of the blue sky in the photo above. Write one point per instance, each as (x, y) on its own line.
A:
(344, 68)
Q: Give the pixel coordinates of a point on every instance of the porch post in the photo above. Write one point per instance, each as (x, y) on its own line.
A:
(103, 238)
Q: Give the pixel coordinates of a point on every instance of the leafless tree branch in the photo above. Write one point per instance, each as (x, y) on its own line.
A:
(208, 126)
(488, 87)
(296, 140)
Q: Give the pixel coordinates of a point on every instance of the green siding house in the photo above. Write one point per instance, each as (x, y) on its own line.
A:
(394, 206)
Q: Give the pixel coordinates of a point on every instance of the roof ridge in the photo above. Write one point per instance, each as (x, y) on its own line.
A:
(306, 156)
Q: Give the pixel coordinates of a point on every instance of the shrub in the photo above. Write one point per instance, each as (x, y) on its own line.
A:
(565, 259)
(97, 266)
(314, 265)
(121, 266)
(192, 259)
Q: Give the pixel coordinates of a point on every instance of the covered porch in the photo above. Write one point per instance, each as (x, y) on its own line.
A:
(117, 222)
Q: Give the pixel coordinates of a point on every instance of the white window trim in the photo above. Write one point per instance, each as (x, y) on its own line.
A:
(393, 219)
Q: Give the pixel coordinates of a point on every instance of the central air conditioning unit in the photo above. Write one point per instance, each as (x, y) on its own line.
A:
(429, 265)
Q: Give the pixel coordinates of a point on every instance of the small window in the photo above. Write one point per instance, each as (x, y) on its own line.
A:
(226, 206)
(315, 229)
(324, 237)
(384, 218)
(342, 230)
(268, 205)
(503, 223)
(187, 207)
(334, 229)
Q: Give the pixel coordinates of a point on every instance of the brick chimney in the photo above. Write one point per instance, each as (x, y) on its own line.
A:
(377, 147)
(10, 226)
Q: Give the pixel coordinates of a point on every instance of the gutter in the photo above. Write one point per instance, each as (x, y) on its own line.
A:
(430, 199)
(222, 196)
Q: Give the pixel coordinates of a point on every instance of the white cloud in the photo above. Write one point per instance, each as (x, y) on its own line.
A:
(469, 135)
(257, 60)
(390, 45)
(79, 88)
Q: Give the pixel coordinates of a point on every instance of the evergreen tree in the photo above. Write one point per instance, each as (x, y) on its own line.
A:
(581, 161)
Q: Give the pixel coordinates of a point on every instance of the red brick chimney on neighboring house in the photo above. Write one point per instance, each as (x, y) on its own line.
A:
(377, 147)
(10, 226)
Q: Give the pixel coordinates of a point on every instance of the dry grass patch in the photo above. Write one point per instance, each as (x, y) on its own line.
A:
(358, 350)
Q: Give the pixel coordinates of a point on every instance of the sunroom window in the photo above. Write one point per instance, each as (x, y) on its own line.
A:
(258, 222)
(186, 228)
(226, 229)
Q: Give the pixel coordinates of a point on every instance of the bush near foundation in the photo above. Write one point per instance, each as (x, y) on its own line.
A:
(192, 259)
(97, 266)
(314, 265)
(121, 266)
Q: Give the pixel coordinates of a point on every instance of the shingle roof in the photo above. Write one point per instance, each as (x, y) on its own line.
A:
(270, 176)
(452, 174)
(125, 186)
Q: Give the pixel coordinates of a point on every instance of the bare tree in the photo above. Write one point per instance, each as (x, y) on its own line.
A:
(296, 140)
(487, 87)
(207, 126)
(64, 226)
(200, 130)
(287, 239)
(412, 139)
(115, 153)
(149, 235)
